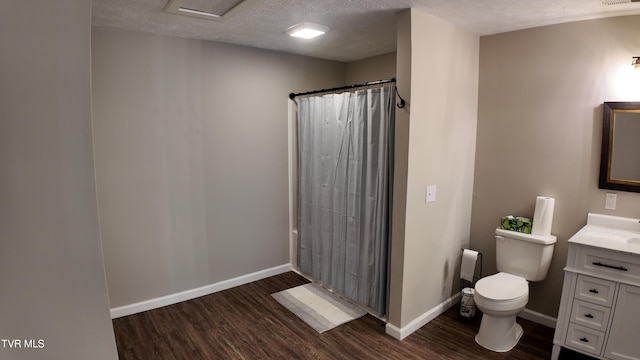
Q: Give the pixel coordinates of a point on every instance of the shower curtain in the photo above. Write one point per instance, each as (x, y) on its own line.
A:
(345, 152)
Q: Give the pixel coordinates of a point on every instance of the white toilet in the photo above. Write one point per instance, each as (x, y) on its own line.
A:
(520, 258)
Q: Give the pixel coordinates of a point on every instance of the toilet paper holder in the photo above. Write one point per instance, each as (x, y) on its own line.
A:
(466, 283)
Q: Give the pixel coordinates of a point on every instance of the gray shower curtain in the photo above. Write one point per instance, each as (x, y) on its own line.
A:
(345, 152)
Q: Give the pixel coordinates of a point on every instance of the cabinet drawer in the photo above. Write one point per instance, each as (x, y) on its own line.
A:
(608, 264)
(590, 315)
(594, 290)
(585, 339)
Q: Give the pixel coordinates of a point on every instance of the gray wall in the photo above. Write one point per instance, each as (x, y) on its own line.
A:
(52, 277)
(370, 69)
(439, 142)
(192, 159)
(539, 131)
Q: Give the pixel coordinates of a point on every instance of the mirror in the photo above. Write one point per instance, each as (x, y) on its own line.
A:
(620, 161)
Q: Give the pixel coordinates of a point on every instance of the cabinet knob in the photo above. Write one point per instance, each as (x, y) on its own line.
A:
(588, 316)
(584, 339)
(594, 291)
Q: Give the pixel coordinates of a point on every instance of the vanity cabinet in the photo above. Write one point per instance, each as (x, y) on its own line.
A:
(599, 312)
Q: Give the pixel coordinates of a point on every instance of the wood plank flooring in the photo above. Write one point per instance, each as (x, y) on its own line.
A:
(247, 323)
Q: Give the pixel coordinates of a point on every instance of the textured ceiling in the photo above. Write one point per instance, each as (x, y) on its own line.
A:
(359, 28)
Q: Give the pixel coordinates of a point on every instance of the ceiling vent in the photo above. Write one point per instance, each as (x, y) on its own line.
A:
(618, 2)
(204, 9)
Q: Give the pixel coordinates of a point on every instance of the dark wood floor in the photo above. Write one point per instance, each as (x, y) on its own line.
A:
(247, 323)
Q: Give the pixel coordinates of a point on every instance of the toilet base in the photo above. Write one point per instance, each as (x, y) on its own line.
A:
(499, 334)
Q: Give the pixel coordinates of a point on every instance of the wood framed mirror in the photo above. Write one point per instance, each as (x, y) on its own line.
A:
(620, 159)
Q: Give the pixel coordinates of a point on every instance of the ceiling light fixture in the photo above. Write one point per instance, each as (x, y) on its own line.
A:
(636, 62)
(306, 30)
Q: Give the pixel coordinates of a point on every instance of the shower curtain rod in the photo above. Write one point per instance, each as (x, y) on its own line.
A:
(402, 103)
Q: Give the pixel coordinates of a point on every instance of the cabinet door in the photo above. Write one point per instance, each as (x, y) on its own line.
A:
(623, 336)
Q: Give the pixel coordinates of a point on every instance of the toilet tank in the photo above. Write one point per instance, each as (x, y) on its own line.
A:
(524, 255)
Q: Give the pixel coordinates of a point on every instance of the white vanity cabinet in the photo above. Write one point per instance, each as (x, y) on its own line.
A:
(599, 312)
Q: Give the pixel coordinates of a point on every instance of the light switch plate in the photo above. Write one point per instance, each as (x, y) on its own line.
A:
(430, 194)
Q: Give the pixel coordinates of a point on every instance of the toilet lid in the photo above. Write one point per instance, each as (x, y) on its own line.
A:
(502, 286)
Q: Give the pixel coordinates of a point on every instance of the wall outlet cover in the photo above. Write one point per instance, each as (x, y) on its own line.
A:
(610, 202)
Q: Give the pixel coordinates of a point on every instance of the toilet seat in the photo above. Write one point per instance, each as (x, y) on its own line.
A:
(501, 292)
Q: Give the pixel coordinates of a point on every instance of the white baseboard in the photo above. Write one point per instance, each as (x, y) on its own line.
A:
(401, 333)
(197, 292)
(539, 318)
(420, 321)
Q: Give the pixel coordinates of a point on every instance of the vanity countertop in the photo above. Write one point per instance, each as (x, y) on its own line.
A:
(611, 233)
